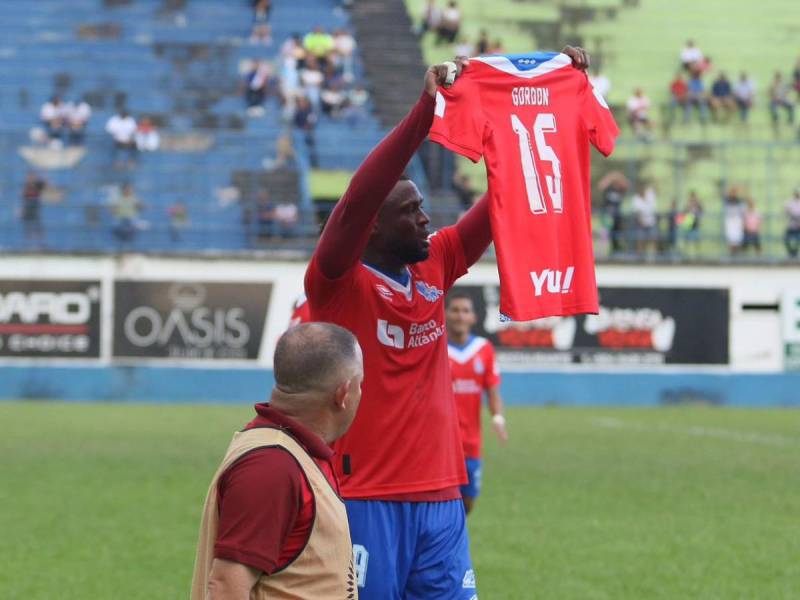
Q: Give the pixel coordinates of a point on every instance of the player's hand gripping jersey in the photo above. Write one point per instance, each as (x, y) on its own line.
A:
(532, 118)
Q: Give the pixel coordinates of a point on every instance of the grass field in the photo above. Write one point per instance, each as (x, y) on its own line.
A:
(103, 501)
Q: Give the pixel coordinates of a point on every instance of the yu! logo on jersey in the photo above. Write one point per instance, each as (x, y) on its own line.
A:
(390, 335)
(557, 282)
(430, 292)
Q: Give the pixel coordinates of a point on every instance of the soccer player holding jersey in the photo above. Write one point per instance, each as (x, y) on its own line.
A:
(379, 273)
(474, 370)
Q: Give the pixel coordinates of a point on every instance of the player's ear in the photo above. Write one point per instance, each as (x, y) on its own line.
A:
(342, 393)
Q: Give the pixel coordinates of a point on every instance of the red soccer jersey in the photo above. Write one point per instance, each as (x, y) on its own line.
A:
(474, 370)
(532, 118)
(405, 438)
(300, 312)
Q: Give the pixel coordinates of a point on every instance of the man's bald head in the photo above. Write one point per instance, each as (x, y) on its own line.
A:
(315, 357)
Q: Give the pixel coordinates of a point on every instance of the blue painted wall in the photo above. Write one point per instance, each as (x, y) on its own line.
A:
(177, 385)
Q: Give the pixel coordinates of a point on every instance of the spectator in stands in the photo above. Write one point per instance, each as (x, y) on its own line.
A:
(464, 47)
(639, 113)
(744, 93)
(601, 83)
(497, 47)
(613, 187)
(261, 33)
(265, 215)
(355, 111)
(779, 98)
(645, 215)
(696, 96)
(286, 218)
(679, 96)
(54, 118)
(752, 227)
(319, 43)
(147, 137)
(483, 44)
(31, 208)
(690, 221)
(464, 190)
(450, 24)
(344, 45)
(431, 18)
(311, 80)
(306, 120)
(733, 216)
(78, 115)
(258, 82)
(792, 236)
(796, 77)
(672, 219)
(691, 55)
(333, 99)
(125, 207)
(722, 102)
(178, 216)
(122, 128)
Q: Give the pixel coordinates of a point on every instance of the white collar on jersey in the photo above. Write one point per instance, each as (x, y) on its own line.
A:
(504, 64)
(396, 286)
(465, 354)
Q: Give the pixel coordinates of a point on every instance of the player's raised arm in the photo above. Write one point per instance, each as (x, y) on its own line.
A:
(348, 229)
(475, 231)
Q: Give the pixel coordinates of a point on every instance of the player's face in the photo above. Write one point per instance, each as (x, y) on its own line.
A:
(460, 316)
(402, 225)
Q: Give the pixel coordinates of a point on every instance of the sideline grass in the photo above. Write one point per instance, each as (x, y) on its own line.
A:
(103, 501)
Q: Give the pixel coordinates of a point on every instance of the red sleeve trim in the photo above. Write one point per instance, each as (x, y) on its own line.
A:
(470, 153)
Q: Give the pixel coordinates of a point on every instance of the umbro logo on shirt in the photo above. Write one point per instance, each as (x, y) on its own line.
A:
(557, 281)
(384, 291)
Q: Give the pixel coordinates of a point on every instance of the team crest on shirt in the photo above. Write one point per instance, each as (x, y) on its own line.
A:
(384, 291)
(430, 292)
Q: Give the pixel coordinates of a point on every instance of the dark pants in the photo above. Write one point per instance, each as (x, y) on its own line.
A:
(792, 241)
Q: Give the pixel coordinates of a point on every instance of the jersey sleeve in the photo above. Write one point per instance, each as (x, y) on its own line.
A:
(448, 252)
(325, 293)
(458, 120)
(492, 372)
(598, 120)
(248, 534)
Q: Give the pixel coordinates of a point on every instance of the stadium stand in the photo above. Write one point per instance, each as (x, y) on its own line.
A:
(180, 64)
(678, 157)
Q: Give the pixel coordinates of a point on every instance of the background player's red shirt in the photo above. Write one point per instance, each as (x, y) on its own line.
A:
(405, 437)
(532, 118)
(301, 313)
(474, 370)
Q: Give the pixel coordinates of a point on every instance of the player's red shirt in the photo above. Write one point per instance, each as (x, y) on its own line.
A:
(405, 437)
(532, 118)
(474, 370)
(301, 313)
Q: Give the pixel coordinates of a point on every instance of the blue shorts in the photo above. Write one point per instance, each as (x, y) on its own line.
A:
(473, 487)
(411, 550)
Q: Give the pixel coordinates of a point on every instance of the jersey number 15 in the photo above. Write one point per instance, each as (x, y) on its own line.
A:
(545, 123)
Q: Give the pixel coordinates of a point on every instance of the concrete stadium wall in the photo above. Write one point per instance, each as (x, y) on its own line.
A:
(111, 370)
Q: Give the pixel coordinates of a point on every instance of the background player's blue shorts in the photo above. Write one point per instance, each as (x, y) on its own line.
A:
(411, 550)
(473, 487)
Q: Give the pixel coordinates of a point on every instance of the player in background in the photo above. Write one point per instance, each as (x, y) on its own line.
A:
(378, 272)
(474, 370)
(300, 311)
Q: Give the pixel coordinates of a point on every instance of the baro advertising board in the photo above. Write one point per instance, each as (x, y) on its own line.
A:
(189, 320)
(635, 326)
(50, 318)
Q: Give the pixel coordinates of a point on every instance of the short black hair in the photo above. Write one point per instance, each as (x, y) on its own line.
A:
(458, 295)
(309, 356)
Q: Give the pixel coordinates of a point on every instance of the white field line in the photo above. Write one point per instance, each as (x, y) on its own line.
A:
(747, 437)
